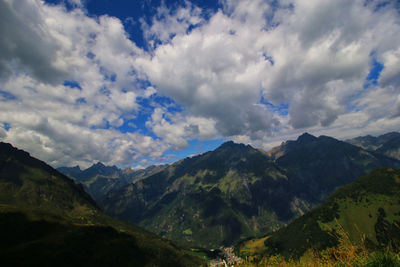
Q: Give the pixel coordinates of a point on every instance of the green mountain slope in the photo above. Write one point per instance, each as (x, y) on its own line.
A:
(46, 219)
(237, 191)
(368, 207)
(205, 200)
(386, 144)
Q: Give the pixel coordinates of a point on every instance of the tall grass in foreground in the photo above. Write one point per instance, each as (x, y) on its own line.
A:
(345, 254)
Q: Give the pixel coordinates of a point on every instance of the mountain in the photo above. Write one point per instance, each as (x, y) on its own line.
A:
(367, 210)
(98, 169)
(318, 166)
(237, 191)
(98, 180)
(387, 144)
(204, 200)
(133, 175)
(28, 182)
(47, 219)
(70, 171)
(290, 145)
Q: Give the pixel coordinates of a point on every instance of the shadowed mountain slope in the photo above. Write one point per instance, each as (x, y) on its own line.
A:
(46, 220)
(318, 166)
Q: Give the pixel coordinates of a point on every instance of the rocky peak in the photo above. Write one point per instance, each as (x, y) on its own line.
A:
(306, 138)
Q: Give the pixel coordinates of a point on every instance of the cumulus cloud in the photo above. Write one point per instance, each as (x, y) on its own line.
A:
(27, 45)
(390, 74)
(324, 43)
(76, 121)
(176, 129)
(312, 56)
(215, 72)
(167, 23)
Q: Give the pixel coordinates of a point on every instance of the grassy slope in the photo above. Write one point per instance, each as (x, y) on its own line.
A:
(368, 207)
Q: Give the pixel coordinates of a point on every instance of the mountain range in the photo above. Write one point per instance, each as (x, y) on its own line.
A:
(303, 194)
(237, 191)
(46, 219)
(98, 180)
(387, 144)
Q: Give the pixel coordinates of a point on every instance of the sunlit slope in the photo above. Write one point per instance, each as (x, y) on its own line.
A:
(368, 210)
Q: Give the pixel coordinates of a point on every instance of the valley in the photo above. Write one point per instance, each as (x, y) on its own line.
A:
(299, 198)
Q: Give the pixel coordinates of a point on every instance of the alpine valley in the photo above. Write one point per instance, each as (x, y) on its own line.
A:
(236, 191)
(301, 196)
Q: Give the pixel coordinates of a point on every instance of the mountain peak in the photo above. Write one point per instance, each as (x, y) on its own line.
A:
(98, 164)
(76, 168)
(231, 144)
(306, 138)
(228, 144)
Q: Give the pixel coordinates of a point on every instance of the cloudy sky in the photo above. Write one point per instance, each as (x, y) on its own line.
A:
(134, 83)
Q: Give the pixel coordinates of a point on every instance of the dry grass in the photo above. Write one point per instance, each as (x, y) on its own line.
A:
(346, 254)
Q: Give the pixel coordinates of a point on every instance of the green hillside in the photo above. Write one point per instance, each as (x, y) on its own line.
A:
(46, 220)
(367, 210)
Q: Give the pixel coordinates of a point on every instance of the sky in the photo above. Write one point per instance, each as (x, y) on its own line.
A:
(136, 83)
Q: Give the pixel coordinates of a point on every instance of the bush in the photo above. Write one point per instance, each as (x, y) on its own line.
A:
(383, 259)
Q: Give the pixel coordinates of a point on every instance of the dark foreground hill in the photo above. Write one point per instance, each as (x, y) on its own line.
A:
(48, 220)
(367, 210)
(237, 191)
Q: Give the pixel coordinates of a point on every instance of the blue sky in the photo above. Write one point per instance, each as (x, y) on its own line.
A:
(135, 83)
(130, 12)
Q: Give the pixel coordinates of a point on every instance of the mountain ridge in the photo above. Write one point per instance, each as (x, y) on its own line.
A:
(99, 179)
(387, 144)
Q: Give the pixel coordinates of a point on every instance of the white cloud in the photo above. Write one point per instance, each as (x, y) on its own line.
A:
(176, 129)
(390, 74)
(44, 45)
(168, 23)
(27, 45)
(215, 72)
(313, 56)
